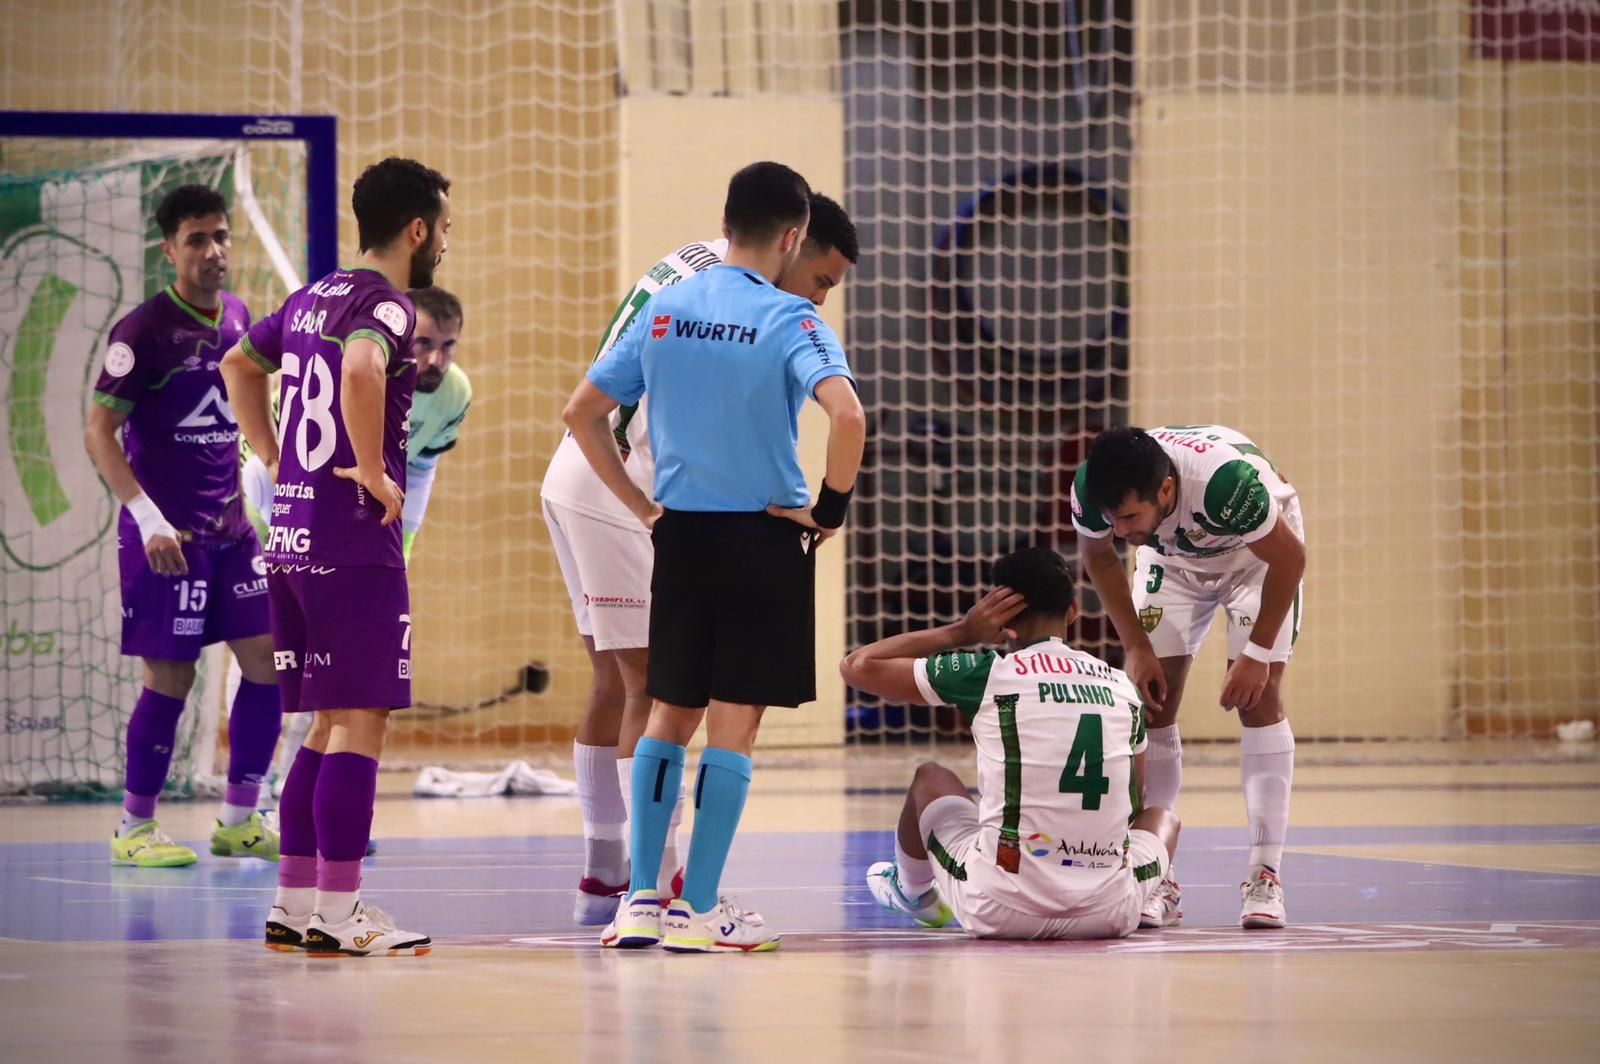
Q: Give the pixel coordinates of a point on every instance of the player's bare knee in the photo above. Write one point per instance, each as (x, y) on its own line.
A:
(255, 659)
(1269, 710)
(932, 781)
(170, 678)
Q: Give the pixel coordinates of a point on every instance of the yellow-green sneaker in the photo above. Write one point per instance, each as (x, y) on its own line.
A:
(147, 846)
(254, 838)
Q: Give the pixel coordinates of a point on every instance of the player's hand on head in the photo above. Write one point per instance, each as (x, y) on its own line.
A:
(385, 491)
(1244, 684)
(1144, 669)
(166, 556)
(987, 621)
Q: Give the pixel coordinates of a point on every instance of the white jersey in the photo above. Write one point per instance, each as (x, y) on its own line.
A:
(1229, 496)
(570, 480)
(1056, 730)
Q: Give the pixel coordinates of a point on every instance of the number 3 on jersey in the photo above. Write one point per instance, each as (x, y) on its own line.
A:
(315, 392)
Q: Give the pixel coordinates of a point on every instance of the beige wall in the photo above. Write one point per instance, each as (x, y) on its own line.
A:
(1379, 256)
(1530, 201)
(1279, 291)
(678, 153)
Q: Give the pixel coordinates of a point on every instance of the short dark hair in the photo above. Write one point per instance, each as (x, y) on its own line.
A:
(764, 199)
(185, 202)
(1041, 576)
(438, 304)
(1124, 461)
(831, 228)
(388, 195)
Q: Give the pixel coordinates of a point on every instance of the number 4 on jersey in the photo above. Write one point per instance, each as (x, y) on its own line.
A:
(1086, 763)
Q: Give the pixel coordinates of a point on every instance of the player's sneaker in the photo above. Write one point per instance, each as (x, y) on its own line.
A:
(637, 924)
(1165, 905)
(1262, 901)
(364, 933)
(286, 933)
(147, 846)
(597, 902)
(256, 837)
(725, 929)
(929, 910)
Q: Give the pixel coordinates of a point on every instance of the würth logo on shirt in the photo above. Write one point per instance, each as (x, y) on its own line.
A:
(726, 332)
(659, 325)
(808, 325)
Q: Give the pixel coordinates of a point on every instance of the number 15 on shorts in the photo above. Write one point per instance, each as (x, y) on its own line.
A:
(405, 646)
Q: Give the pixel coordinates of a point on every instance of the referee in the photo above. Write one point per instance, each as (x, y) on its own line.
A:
(727, 360)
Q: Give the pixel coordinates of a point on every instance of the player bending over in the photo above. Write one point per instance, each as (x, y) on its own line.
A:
(1048, 850)
(1215, 526)
(192, 572)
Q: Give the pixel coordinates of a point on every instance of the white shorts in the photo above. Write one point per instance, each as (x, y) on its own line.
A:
(1112, 912)
(1176, 606)
(607, 572)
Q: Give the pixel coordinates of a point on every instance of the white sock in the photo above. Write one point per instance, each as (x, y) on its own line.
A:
(1163, 768)
(670, 861)
(296, 901)
(130, 822)
(916, 873)
(234, 815)
(1266, 768)
(335, 906)
(625, 785)
(605, 813)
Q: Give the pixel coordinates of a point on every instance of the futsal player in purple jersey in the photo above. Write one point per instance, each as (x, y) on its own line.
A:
(191, 567)
(341, 620)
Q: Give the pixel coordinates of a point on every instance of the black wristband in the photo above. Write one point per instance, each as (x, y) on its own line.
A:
(830, 507)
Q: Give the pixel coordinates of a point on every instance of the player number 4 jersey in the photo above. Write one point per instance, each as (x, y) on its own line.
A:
(1056, 731)
(570, 481)
(1229, 496)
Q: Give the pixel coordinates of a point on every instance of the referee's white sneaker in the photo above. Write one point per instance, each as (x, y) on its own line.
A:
(637, 924)
(725, 929)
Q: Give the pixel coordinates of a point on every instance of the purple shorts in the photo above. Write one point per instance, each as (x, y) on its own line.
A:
(341, 637)
(222, 598)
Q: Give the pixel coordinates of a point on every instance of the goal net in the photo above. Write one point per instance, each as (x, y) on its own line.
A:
(79, 249)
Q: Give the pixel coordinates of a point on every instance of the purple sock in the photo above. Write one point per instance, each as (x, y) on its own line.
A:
(297, 823)
(152, 731)
(253, 727)
(347, 786)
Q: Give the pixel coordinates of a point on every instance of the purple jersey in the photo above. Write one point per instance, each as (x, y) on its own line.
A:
(319, 519)
(161, 370)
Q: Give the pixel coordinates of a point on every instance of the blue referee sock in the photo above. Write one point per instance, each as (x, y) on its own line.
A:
(718, 804)
(657, 775)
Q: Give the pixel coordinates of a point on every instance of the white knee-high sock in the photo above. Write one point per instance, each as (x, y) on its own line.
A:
(916, 873)
(1163, 768)
(605, 815)
(1266, 768)
(670, 859)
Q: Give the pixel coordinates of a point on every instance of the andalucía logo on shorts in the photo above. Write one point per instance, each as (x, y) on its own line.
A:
(1149, 617)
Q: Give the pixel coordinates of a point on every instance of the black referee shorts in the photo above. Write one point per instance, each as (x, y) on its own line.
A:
(732, 610)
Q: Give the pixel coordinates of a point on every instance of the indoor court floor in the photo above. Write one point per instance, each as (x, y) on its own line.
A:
(1438, 912)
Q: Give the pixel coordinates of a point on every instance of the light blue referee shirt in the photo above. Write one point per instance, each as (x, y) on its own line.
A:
(727, 361)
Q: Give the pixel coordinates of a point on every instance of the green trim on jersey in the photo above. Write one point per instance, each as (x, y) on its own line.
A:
(1088, 515)
(1252, 449)
(937, 851)
(112, 402)
(255, 356)
(961, 678)
(215, 321)
(1236, 501)
(1011, 812)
